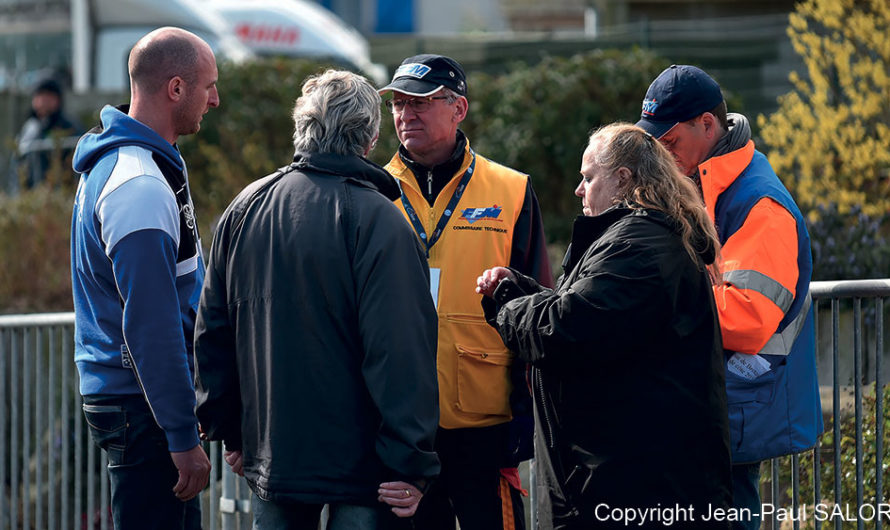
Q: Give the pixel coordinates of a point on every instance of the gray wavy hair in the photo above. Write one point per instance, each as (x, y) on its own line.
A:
(339, 112)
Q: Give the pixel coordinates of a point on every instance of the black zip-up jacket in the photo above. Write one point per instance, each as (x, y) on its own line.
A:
(315, 343)
(627, 374)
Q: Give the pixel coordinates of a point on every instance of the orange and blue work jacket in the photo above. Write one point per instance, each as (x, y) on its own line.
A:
(473, 363)
(764, 306)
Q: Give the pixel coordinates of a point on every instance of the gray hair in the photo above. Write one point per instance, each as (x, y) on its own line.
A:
(450, 94)
(339, 112)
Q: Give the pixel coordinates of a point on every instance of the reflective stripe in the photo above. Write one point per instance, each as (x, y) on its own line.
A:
(781, 343)
(763, 284)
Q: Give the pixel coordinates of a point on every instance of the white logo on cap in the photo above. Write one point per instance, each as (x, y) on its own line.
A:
(411, 70)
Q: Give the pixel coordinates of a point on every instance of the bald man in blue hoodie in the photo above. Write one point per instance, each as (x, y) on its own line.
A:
(137, 269)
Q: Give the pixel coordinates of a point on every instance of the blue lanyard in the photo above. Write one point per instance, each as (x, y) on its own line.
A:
(446, 215)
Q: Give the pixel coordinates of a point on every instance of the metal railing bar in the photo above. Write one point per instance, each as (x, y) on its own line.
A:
(104, 495)
(36, 320)
(78, 465)
(850, 288)
(3, 432)
(38, 428)
(26, 430)
(817, 479)
(228, 497)
(91, 483)
(836, 402)
(14, 404)
(774, 490)
(795, 489)
(4, 414)
(857, 389)
(879, 406)
(214, 500)
(66, 440)
(51, 415)
(817, 451)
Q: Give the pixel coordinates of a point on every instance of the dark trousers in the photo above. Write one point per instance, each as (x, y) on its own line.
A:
(470, 485)
(746, 494)
(140, 469)
(272, 515)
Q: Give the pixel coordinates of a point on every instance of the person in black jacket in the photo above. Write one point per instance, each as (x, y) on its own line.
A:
(626, 351)
(315, 342)
(47, 132)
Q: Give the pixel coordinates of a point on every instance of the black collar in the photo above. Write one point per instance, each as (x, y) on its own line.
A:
(442, 173)
(350, 166)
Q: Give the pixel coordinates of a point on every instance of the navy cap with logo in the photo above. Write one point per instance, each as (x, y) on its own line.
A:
(678, 94)
(423, 75)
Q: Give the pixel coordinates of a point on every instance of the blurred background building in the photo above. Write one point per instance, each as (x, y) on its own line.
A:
(743, 43)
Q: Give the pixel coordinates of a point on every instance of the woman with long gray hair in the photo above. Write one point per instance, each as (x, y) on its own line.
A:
(627, 362)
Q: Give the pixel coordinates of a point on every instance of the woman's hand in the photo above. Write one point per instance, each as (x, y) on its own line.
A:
(488, 282)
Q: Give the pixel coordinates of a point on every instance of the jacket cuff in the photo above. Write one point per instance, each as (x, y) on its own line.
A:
(180, 440)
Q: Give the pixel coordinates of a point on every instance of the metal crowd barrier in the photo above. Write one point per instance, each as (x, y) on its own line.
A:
(51, 474)
(838, 511)
(53, 477)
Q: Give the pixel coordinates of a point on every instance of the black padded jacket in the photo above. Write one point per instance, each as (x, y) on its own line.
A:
(627, 374)
(315, 342)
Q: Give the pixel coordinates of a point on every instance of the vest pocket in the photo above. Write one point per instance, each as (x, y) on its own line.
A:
(483, 380)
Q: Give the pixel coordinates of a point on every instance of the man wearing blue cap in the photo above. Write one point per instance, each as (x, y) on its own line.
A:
(763, 301)
(470, 214)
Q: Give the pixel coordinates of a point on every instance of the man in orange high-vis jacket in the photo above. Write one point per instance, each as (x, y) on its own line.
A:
(471, 214)
(763, 301)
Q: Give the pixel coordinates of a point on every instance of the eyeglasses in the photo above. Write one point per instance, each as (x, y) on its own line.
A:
(418, 105)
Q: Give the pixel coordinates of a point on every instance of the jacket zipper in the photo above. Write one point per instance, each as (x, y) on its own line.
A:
(429, 183)
(548, 434)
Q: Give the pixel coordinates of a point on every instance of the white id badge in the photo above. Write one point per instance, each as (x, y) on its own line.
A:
(748, 366)
(435, 272)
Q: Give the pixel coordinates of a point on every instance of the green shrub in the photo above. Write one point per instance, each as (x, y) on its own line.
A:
(828, 139)
(847, 442)
(849, 246)
(537, 119)
(34, 252)
(533, 118)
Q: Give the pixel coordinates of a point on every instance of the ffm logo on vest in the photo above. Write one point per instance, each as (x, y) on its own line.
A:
(471, 215)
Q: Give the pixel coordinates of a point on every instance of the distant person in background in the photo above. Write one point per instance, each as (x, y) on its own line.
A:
(43, 132)
(136, 272)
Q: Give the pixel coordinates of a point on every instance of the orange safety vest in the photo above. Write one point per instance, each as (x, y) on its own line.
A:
(473, 363)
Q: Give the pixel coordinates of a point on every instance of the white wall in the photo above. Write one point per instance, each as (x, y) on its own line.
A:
(435, 17)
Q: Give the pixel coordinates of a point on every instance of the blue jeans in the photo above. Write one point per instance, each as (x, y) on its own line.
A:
(270, 515)
(746, 494)
(140, 469)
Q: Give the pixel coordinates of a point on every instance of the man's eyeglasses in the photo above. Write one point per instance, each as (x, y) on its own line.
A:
(418, 105)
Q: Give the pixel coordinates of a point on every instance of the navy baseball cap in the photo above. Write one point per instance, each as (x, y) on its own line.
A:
(679, 93)
(424, 75)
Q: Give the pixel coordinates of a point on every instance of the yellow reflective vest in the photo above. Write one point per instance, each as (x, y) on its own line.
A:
(473, 363)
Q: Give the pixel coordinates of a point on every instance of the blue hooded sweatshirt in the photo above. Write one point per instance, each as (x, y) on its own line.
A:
(136, 272)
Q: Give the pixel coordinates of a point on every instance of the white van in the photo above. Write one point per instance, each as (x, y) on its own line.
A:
(104, 31)
(296, 28)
